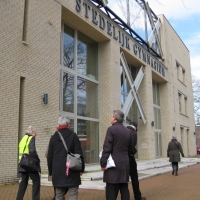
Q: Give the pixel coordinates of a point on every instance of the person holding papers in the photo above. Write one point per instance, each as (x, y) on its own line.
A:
(118, 142)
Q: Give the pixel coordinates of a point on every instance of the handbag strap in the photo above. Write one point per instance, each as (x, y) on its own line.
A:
(63, 141)
(26, 144)
(176, 146)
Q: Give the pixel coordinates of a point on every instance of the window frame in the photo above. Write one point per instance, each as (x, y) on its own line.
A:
(180, 73)
(183, 103)
(74, 72)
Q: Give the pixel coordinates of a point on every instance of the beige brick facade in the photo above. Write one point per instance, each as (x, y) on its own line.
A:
(30, 69)
(197, 133)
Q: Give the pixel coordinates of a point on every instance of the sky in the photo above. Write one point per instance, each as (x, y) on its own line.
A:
(184, 16)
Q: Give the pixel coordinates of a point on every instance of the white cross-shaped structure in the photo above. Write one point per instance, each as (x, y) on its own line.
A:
(154, 39)
(134, 88)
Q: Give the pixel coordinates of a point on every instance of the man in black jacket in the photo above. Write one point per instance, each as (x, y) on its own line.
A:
(133, 165)
(118, 142)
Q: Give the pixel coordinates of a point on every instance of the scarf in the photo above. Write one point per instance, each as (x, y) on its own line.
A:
(61, 127)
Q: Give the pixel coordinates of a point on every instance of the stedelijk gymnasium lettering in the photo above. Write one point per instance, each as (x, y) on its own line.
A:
(97, 18)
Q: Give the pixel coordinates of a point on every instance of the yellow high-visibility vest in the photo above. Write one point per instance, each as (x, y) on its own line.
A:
(25, 141)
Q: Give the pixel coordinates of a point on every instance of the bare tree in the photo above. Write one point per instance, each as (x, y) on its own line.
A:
(68, 79)
(131, 11)
(196, 96)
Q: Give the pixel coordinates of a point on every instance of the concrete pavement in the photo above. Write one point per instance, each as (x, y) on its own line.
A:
(156, 183)
(92, 179)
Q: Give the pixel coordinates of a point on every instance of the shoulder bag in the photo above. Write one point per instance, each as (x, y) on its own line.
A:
(73, 160)
(28, 162)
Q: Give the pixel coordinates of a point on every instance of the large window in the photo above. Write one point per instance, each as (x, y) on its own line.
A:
(125, 89)
(125, 86)
(68, 47)
(156, 106)
(87, 98)
(182, 142)
(87, 57)
(157, 119)
(89, 140)
(68, 92)
(182, 103)
(180, 73)
(156, 94)
(79, 89)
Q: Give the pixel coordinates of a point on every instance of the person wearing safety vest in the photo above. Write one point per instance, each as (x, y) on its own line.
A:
(27, 145)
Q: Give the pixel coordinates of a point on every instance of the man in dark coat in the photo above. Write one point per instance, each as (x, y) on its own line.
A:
(133, 165)
(173, 152)
(56, 160)
(118, 143)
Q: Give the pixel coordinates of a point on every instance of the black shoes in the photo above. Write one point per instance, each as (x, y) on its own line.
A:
(176, 173)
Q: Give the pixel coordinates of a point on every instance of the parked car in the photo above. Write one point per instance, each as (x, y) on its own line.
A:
(198, 149)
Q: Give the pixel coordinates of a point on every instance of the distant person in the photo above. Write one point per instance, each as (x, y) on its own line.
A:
(56, 159)
(133, 165)
(118, 141)
(173, 152)
(27, 145)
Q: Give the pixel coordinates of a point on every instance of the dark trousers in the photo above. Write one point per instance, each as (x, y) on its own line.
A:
(175, 165)
(134, 178)
(112, 191)
(24, 182)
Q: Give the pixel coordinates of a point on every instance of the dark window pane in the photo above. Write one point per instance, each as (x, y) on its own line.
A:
(87, 100)
(87, 132)
(87, 57)
(71, 125)
(68, 47)
(68, 92)
(125, 86)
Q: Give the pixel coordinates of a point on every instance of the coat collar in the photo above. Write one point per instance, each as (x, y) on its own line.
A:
(132, 127)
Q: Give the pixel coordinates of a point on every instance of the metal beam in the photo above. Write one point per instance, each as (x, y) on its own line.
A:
(152, 36)
(134, 88)
(156, 33)
(154, 21)
(115, 18)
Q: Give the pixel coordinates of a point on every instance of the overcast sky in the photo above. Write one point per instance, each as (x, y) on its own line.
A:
(184, 16)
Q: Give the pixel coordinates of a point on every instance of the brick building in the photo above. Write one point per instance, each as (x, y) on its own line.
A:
(197, 133)
(86, 65)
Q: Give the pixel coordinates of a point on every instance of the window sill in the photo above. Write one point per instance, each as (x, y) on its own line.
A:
(24, 42)
(183, 114)
(182, 82)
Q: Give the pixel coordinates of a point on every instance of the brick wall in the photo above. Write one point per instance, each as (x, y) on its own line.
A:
(38, 62)
(197, 132)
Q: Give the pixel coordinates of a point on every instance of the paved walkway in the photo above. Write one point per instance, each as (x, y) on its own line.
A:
(146, 169)
(156, 183)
